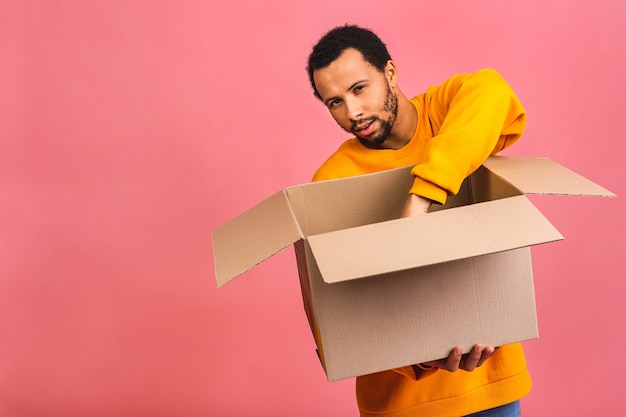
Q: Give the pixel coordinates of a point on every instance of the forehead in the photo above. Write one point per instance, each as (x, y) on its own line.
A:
(349, 68)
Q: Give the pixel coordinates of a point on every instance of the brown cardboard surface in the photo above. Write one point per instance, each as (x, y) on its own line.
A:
(413, 316)
(382, 292)
(458, 233)
(326, 206)
(250, 238)
(543, 176)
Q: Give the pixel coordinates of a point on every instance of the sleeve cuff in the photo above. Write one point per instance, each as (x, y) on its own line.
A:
(428, 190)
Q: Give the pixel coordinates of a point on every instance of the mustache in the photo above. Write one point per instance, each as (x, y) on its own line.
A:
(363, 121)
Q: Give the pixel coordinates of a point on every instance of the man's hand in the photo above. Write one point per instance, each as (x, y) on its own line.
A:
(415, 205)
(468, 362)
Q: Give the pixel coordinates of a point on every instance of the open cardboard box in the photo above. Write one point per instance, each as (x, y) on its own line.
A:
(383, 292)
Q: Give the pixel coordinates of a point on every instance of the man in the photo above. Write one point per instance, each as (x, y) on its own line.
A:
(445, 134)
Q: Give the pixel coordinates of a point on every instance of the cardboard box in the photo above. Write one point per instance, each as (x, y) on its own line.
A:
(382, 292)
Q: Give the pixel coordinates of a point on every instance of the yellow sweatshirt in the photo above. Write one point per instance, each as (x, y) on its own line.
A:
(460, 123)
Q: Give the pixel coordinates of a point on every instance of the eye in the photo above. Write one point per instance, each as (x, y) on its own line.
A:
(334, 103)
(358, 88)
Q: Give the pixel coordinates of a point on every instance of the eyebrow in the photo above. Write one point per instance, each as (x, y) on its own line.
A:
(349, 89)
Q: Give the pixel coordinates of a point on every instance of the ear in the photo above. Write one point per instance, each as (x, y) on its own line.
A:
(391, 73)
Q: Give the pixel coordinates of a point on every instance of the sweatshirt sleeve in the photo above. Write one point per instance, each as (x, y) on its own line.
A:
(479, 115)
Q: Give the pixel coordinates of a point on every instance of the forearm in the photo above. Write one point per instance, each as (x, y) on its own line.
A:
(483, 116)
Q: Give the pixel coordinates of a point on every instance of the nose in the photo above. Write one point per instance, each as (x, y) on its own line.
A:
(354, 111)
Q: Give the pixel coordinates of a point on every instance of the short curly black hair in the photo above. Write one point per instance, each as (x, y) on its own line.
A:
(340, 38)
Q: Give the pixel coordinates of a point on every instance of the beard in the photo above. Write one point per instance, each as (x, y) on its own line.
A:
(390, 106)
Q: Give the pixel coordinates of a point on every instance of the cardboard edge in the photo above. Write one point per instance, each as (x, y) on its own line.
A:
(253, 236)
(541, 175)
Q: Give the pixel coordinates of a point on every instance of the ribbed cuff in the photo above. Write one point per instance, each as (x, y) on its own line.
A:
(428, 190)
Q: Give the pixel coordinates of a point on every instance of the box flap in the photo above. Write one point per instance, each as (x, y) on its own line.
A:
(443, 236)
(325, 206)
(543, 176)
(254, 236)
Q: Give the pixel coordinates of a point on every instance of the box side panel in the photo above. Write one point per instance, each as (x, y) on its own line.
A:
(462, 198)
(487, 186)
(253, 236)
(304, 273)
(543, 176)
(403, 318)
(505, 297)
(483, 185)
(325, 206)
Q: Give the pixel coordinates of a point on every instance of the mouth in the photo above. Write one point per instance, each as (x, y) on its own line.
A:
(364, 129)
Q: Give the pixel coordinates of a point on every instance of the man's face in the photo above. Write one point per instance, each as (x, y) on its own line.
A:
(359, 97)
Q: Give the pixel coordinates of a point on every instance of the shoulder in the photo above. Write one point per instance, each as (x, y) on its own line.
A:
(337, 164)
(486, 82)
(485, 77)
(486, 74)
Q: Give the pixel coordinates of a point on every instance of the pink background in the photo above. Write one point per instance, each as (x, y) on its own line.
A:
(129, 130)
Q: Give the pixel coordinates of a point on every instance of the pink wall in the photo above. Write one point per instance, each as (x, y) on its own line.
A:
(130, 129)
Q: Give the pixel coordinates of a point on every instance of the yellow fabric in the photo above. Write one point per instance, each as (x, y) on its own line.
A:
(502, 379)
(460, 123)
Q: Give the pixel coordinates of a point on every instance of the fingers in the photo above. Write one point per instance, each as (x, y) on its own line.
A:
(454, 359)
(476, 357)
(451, 363)
(468, 362)
(486, 354)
